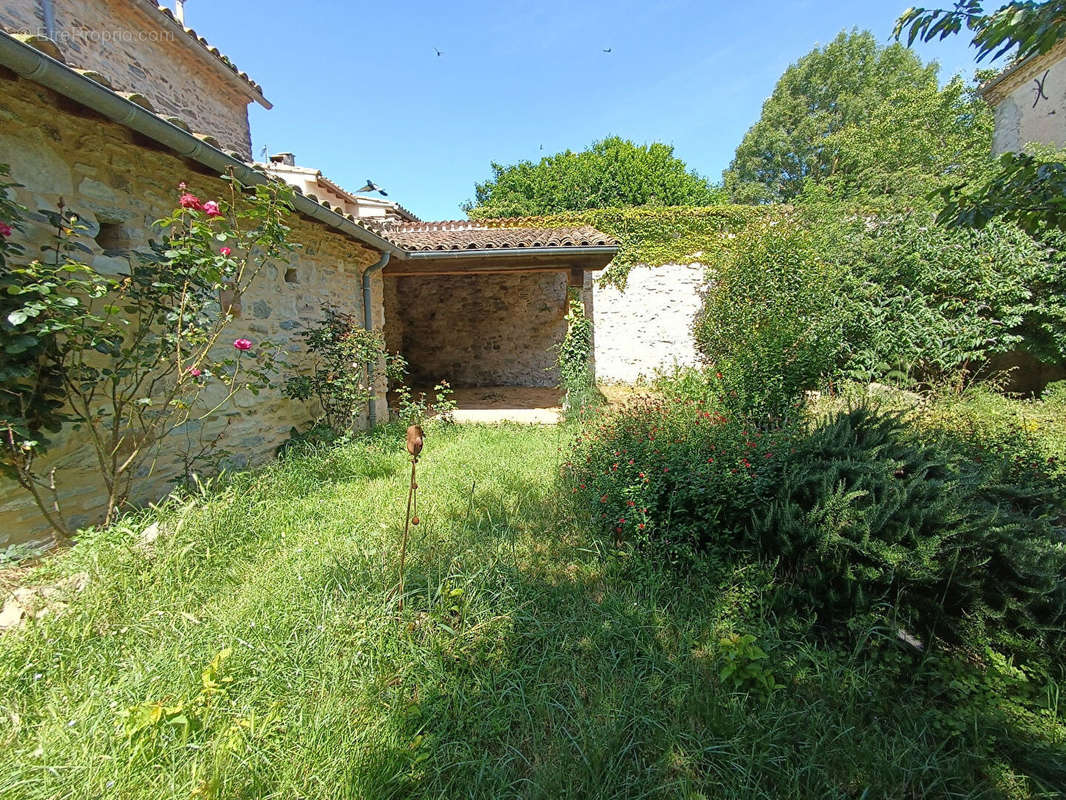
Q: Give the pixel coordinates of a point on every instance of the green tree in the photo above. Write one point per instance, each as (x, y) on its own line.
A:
(830, 89)
(612, 173)
(1028, 189)
(914, 141)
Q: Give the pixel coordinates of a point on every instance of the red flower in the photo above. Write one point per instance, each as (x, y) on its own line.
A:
(190, 201)
(603, 499)
(225, 251)
(641, 526)
(5, 229)
(243, 344)
(211, 209)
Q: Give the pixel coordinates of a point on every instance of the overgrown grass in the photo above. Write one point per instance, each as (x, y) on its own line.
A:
(529, 660)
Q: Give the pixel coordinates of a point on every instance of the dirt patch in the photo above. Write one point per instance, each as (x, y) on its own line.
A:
(490, 404)
(23, 603)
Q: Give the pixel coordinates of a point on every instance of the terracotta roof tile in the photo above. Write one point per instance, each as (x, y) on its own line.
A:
(491, 235)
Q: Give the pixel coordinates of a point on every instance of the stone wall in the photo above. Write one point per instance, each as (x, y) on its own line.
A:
(478, 330)
(103, 173)
(648, 326)
(131, 45)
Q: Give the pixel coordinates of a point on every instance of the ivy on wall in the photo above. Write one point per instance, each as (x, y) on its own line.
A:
(658, 235)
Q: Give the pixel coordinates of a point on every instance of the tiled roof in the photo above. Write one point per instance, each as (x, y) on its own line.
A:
(207, 46)
(491, 235)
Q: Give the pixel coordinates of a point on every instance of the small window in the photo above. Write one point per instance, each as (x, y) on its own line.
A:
(291, 276)
(112, 236)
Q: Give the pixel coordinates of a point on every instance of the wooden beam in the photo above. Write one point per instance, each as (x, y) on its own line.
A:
(495, 264)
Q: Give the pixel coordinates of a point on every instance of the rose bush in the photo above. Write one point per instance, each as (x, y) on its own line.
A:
(130, 358)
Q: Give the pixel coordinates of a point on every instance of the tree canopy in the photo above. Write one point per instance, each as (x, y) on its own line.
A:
(1026, 188)
(612, 173)
(816, 124)
(912, 143)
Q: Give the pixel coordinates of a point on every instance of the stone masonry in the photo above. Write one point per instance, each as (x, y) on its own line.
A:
(647, 327)
(131, 45)
(109, 178)
(478, 330)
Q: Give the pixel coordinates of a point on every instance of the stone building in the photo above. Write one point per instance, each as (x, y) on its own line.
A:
(110, 104)
(315, 185)
(1030, 102)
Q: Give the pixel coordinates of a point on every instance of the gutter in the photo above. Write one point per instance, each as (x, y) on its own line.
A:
(368, 324)
(46, 71)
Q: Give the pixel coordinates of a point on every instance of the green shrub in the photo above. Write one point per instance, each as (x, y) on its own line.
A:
(343, 355)
(863, 516)
(930, 301)
(862, 513)
(771, 325)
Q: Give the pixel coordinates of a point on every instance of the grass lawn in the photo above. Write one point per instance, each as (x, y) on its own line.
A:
(528, 661)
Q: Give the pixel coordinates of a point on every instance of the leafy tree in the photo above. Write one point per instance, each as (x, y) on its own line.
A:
(915, 140)
(612, 173)
(826, 91)
(1027, 189)
(927, 302)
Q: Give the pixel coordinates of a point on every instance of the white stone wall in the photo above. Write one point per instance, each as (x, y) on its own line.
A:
(647, 327)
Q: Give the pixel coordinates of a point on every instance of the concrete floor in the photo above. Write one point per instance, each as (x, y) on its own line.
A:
(522, 404)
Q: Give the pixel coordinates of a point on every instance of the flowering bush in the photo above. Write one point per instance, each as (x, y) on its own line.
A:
(130, 358)
(673, 472)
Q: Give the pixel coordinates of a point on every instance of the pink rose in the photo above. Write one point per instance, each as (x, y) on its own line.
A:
(5, 229)
(190, 201)
(211, 209)
(243, 344)
(195, 372)
(225, 251)
(183, 186)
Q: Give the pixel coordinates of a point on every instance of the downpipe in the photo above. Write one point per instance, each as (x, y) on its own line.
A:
(368, 324)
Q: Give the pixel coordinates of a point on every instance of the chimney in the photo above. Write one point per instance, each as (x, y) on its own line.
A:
(179, 11)
(285, 159)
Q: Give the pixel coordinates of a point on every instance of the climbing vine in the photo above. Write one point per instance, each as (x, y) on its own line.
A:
(576, 372)
(658, 235)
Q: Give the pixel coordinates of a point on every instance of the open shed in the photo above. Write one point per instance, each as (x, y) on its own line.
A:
(483, 303)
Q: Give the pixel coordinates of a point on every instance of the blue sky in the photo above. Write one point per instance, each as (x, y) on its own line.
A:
(359, 92)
